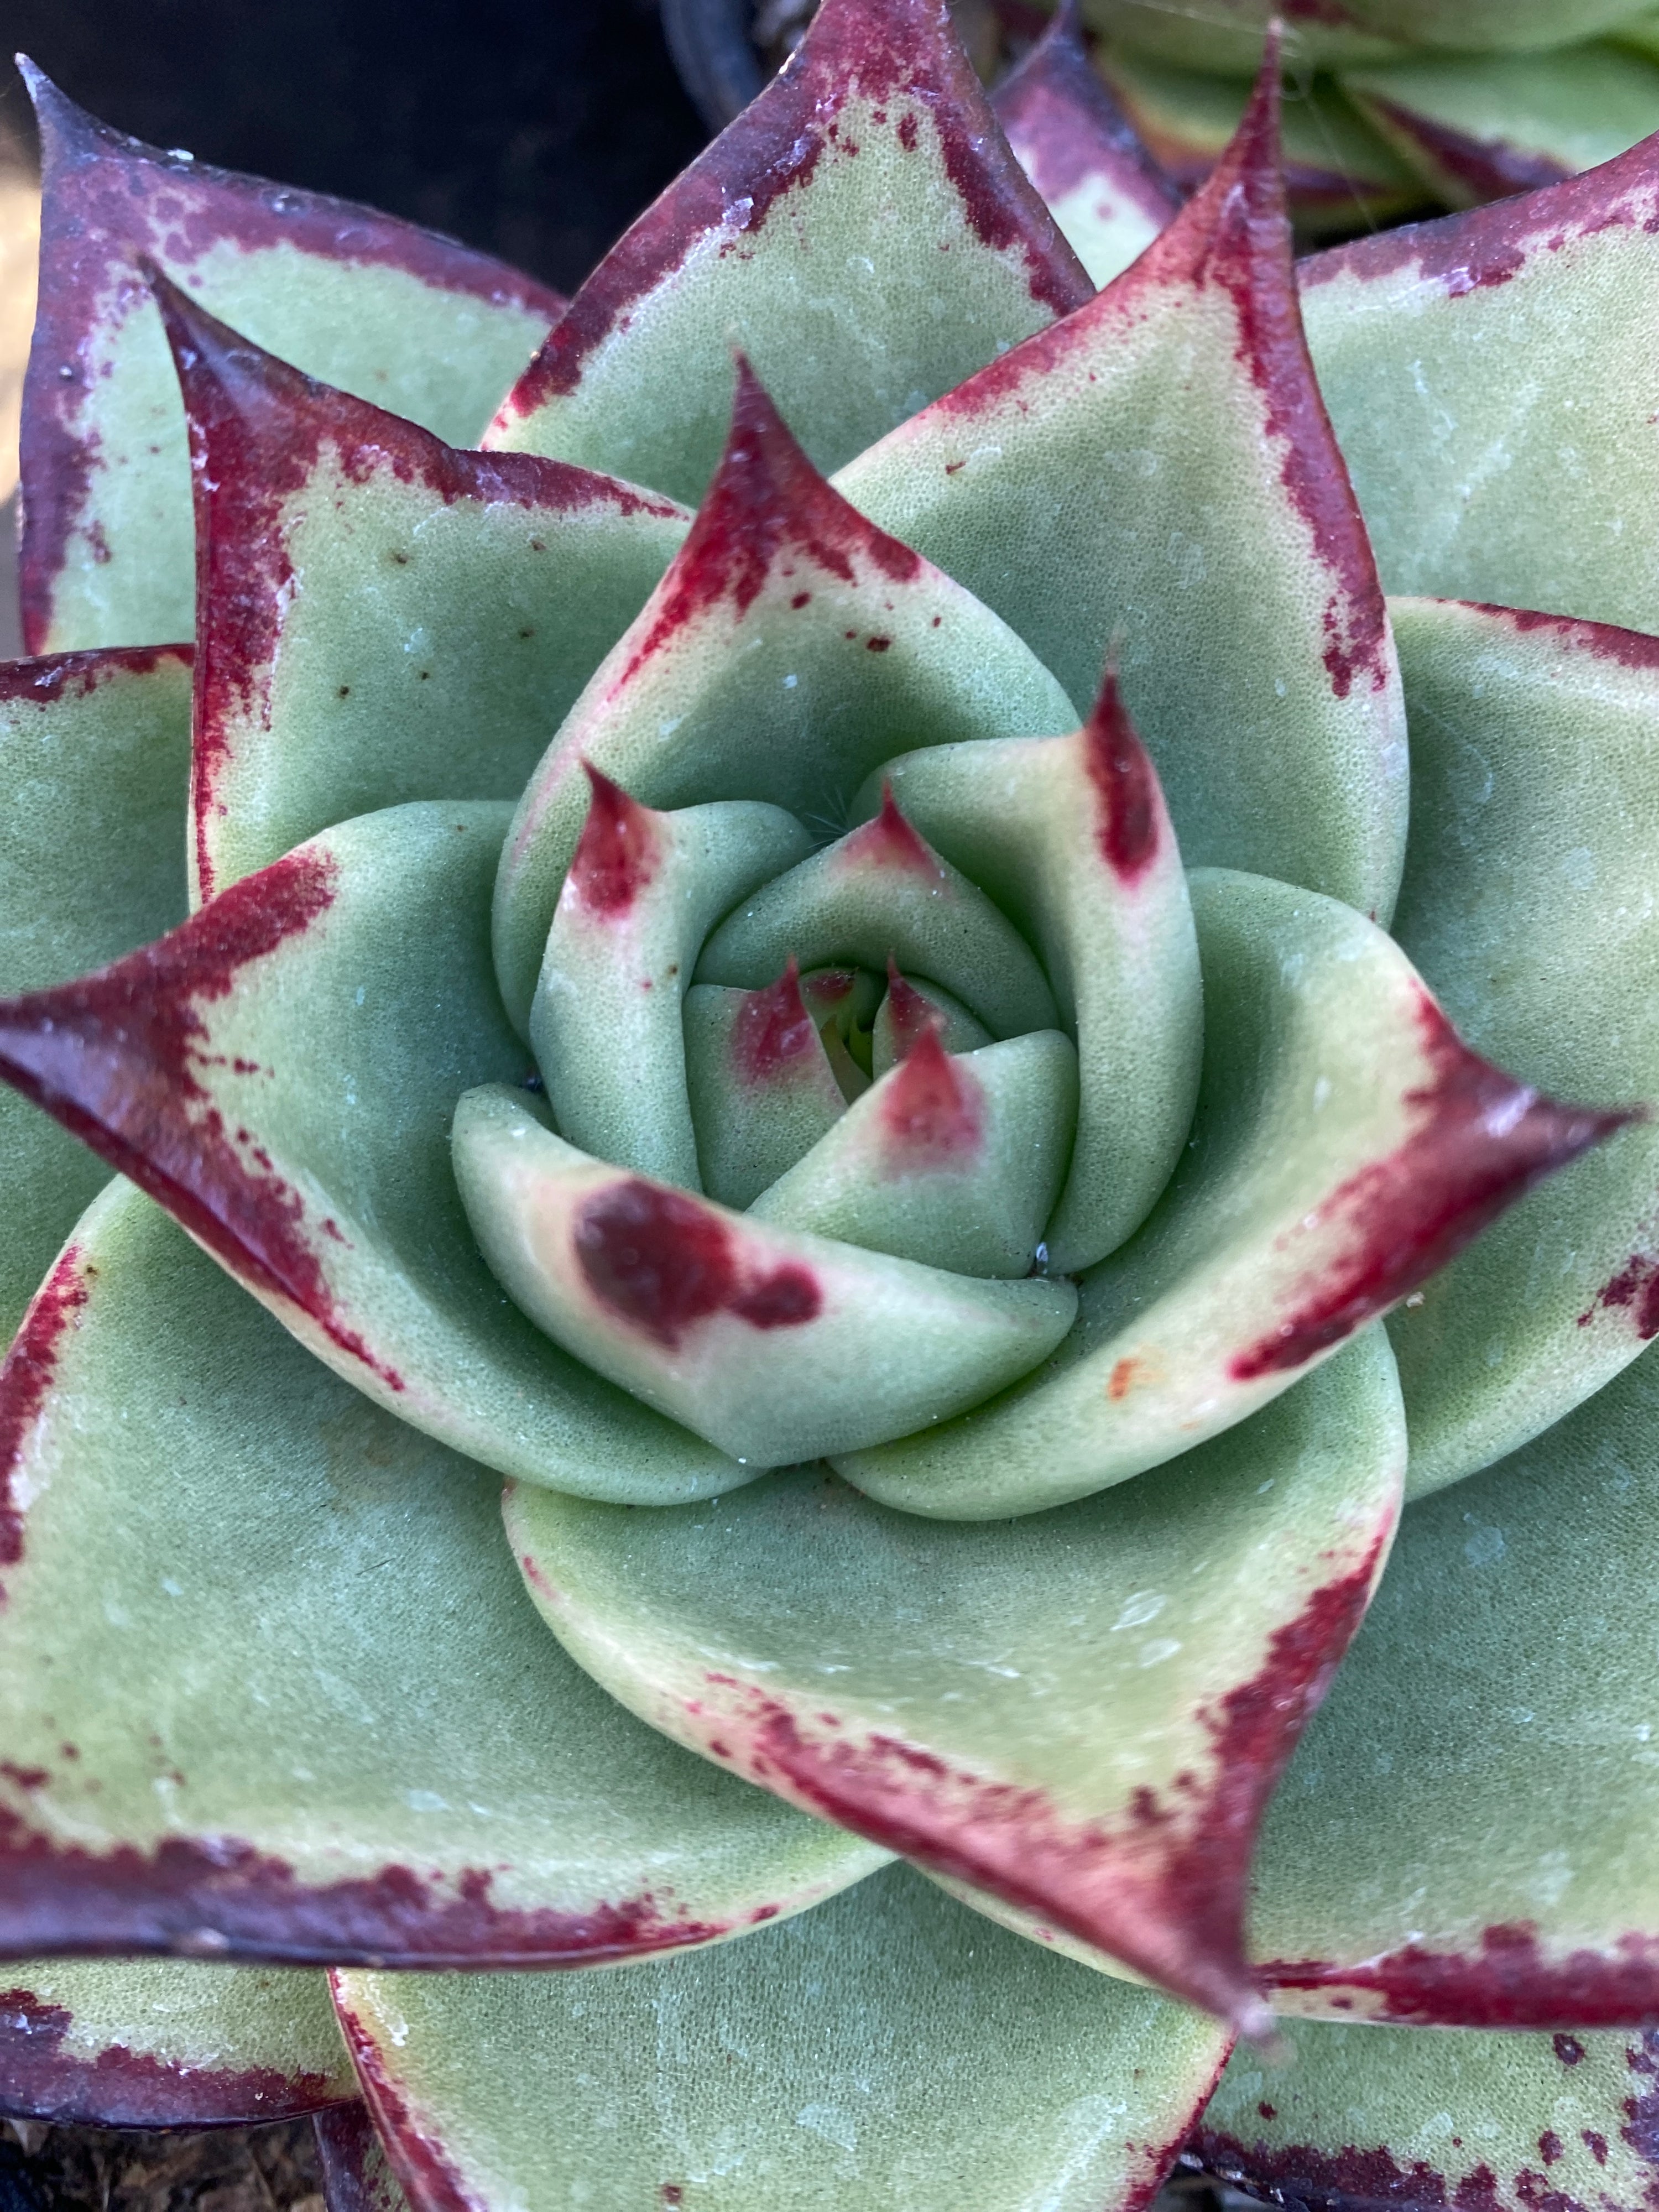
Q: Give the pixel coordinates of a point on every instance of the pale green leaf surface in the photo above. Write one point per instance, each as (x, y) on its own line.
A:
(762, 1087)
(607, 1022)
(284, 1687)
(1528, 907)
(1509, 2121)
(790, 648)
(341, 1000)
(1067, 1709)
(163, 2042)
(1338, 1122)
(95, 760)
(1037, 825)
(955, 1162)
(1471, 126)
(775, 1344)
(1154, 480)
(1492, 378)
(1227, 34)
(889, 2053)
(418, 325)
(386, 619)
(861, 232)
(1465, 1835)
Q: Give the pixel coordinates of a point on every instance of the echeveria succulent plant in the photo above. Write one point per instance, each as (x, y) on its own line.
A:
(879, 1043)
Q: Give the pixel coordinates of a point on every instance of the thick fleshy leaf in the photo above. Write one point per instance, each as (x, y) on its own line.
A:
(775, 1344)
(380, 617)
(356, 2174)
(1083, 1713)
(908, 1009)
(1464, 1837)
(1346, 1144)
(1340, 172)
(1491, 378)
(280, 1073)
(270, 1685)
(790, 648)
(762, 1086)
(1079, 150)
(1070, 837)
(163, 2043)
(861, 230)
(953, 1161)
(1475, 129)
(1155, 477)
(1227, 34)
(643, 891)
(1527, 905)
(888, 2051)
(94, 758)
(1387, 2116)
(415, 322)
(881, 893)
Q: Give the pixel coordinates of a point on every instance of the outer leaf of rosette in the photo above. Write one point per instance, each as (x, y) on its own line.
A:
(862, 231)
(1070, 837)
(605, 1024)
(790, 648)
(95, 760)
(888, 2051)
(1155, 479)
(1100, 184)
(1341, 172)
(774, 1344)
(881, 893)
(380, 617)
(164, 2043)
(1383, 2115)
(953, 1161)
(415, 322)
(280, 1074)
(1528, 906)
(1083, 1713)
(308, 1713)
(1476, 129)
(1346, 1144)
(1463, 1838)
(1461, 359)
(1228, 34)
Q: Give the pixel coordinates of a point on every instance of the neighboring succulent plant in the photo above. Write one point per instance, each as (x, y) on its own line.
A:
(922, 1106)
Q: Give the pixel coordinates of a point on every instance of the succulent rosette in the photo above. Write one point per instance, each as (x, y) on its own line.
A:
(817, 939)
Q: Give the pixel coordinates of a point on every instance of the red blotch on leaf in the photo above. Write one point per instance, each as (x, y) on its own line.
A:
(25, 1380)
(774, 1030)
(618, 853)
(1509, 1982)
(909, 1014)
(932, 1109)
(1127, 827)
(1481, 1141)
(663, 1261)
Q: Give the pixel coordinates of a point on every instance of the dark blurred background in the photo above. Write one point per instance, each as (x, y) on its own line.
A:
(534, 129)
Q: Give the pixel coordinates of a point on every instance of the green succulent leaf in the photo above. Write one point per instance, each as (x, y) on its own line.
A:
(382, 619)
(356, 2175)
(164, 2043)
(94, 758)
(762, 1087)
(280, 1074)
(1528, 906)
(395, 314)
(1103, 189)
(790, 648)
(1228, 34)
(1491, 378)
(1383, 2115)
(775, 1344)
(1475, 129)
(270, 1688)
(893, 2054)
(1155, 478)
(1462, 1837)
(862, 231)
(1083, 1713)
(1346, 1144)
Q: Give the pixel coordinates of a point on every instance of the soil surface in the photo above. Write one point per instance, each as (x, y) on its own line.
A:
(45, 2169)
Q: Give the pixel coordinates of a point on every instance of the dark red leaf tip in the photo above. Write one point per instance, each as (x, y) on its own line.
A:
(663, 1261)
(908, 1011)
(933, 1109)
(774, 1032)
(1481, 1141)
(889, 840)
(1128, 804)
(618, 852)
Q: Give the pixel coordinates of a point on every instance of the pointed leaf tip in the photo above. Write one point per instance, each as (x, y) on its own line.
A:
(619, 851)
(933, 1114)
(774, 1028)
(1131, 825)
